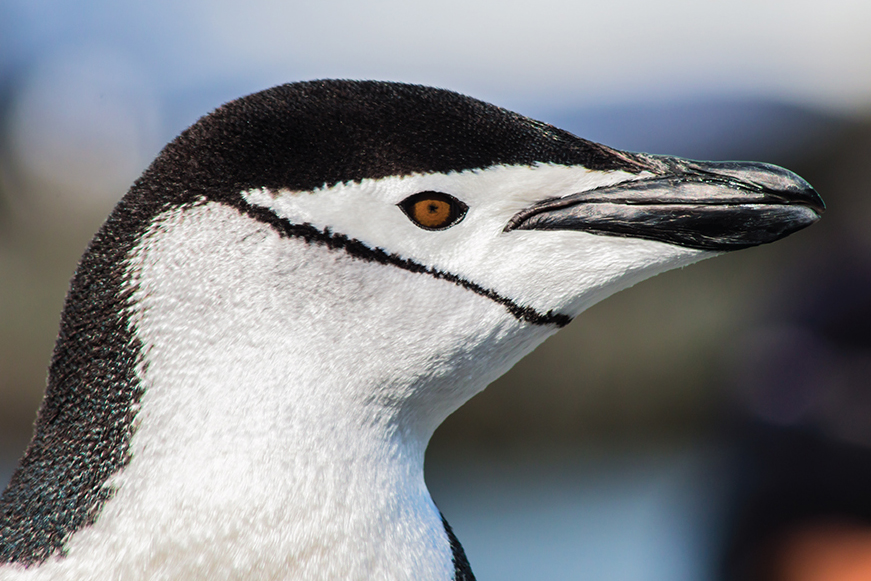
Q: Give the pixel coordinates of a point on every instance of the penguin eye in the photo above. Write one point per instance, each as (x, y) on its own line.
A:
(433, 210)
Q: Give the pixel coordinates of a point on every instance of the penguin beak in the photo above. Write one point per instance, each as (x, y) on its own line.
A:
(715, 206)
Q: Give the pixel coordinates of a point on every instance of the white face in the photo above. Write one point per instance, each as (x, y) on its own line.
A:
(562, 271)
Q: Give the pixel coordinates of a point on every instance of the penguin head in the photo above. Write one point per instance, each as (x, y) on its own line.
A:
(468, 191)
(528, 222)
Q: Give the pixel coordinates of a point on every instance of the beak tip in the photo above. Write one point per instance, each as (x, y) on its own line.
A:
(819, 206)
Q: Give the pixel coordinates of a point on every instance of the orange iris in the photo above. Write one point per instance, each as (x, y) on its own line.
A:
(431, 213)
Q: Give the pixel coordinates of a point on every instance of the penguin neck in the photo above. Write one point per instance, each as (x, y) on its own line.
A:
(289, 391)
(300, 487)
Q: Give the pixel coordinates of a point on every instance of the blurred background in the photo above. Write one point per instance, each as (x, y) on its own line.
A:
(713, 423)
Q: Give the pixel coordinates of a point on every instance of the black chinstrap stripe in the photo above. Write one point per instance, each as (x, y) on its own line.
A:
(359, 250)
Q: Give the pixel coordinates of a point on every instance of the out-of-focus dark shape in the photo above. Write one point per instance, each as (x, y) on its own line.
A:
(813, 368)
(795, 482)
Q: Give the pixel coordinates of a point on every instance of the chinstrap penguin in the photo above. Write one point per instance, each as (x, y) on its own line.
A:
(259, 342)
